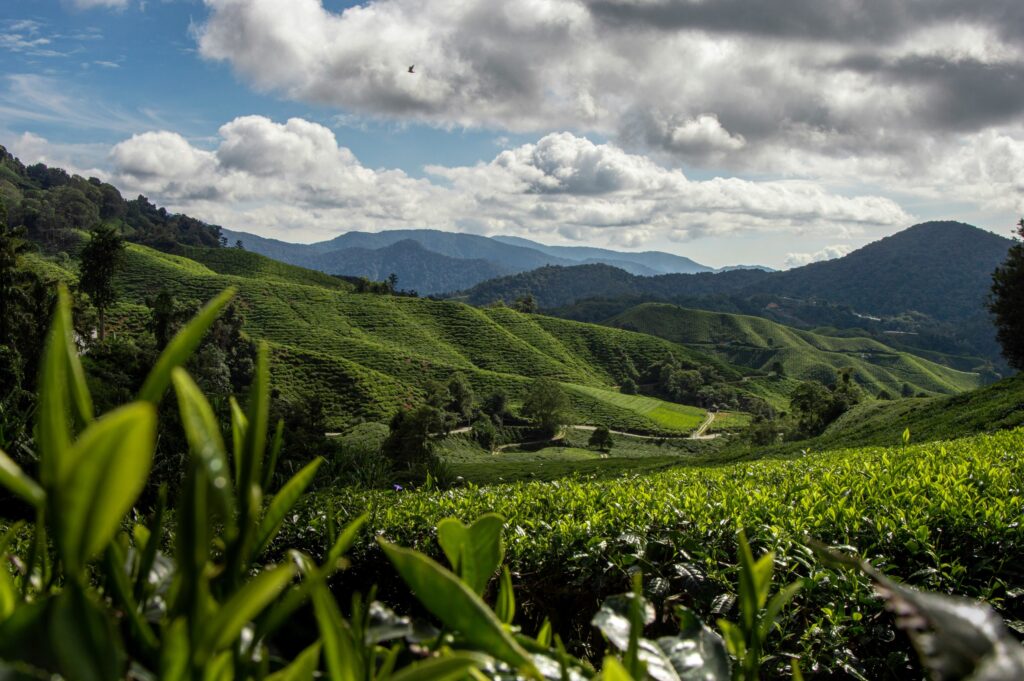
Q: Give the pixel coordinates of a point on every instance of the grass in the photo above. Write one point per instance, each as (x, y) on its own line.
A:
(759, 344)
(999, 406)
(566, 458)
(668, 416)
(366, 355)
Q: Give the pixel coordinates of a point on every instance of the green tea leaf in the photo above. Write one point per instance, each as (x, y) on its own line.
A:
(174, 655)
(283, 502)
(775, 606)
(474, 551)
(85, 641)
(302, 668)
(506, 606)
(204, 438)
(612, 670)
(343, 664)
(446, 668)
(455, 604)
(62, 392)
(18, 482)
(181, 347)
(113, 458)
(246, 603)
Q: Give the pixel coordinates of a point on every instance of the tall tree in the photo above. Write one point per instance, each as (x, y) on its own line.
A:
(100, 260)
(547, 405)
(12, 245)
(1007, 302)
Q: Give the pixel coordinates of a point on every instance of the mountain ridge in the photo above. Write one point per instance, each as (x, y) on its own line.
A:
(506, 255)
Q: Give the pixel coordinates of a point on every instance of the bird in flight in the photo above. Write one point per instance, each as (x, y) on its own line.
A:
(411, 68)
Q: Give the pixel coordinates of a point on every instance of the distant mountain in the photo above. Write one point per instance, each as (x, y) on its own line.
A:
(349, 254)
(934, 277)
(646, 263)
(417, 268)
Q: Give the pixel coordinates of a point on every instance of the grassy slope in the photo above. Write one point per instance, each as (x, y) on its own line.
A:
(569, 458)
(759, 343)
(996, 407)
(365, 355)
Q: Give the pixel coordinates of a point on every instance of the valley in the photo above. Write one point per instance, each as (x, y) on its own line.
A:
(207, 411)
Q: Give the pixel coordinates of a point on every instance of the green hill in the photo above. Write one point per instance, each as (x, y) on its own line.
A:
(364, 355)
(766, 346)
(996, 407)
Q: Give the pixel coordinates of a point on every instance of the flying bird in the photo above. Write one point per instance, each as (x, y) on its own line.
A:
(411, 68)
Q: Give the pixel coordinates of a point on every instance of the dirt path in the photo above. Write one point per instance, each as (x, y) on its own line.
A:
(699, 433)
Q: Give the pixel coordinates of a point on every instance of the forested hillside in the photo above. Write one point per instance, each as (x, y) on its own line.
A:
(52, 205)
(925, 288)
(761, 344)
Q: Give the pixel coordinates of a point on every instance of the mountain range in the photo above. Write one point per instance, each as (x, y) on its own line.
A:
(431, 261)
(926, 285)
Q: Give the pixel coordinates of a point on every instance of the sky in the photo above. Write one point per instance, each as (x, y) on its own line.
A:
(730, 131)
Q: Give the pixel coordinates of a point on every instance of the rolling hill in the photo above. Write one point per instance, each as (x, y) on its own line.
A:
(999, 406)
(927, 284)
(365, 355)
(761, 344)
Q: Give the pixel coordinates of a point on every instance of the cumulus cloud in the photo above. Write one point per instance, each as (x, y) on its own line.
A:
(706, 82)
(294, 181)
(827, 253)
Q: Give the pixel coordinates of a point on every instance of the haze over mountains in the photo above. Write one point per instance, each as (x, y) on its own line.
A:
(432, 261)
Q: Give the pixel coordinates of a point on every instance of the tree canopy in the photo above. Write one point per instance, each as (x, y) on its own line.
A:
(1007, 302)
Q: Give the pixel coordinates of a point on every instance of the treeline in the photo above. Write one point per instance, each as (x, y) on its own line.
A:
(53, 207)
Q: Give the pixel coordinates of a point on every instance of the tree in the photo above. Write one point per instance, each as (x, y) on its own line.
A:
(12, 245)
(484, 432)
(461, 392)
(628, 387)
(408, 445)
(100, 260)
(601, 439)
(496, 406)
(393, 282)
(239, 245)
(1006, 303)
(547, 405)
(527, 304)
(163, 313)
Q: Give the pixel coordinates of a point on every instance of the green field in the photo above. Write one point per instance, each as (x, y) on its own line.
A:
(364, 355)
(761, 344)
(930, 514)
(675, 418)
(567, 457)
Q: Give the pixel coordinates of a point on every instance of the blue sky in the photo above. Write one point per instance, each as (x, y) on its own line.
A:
(697, 129)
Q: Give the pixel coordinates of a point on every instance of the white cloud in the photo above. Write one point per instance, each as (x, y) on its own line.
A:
(827, 253)
(294, 181)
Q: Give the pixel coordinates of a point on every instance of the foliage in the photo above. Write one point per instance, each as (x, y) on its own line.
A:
(95, 595)
(99, 261)
(816, 406)
(408, 446)
(1006, 302)
(943, 516)
(601, 439)
(53, 206)
(547, 405)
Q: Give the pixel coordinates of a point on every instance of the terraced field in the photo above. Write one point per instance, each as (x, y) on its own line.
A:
(763, 345)
(670, 417)
(365, 355)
